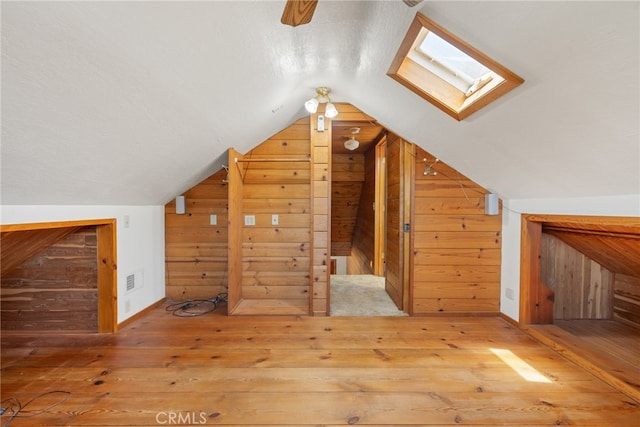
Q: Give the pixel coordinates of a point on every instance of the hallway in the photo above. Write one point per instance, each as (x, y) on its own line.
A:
(361, 295)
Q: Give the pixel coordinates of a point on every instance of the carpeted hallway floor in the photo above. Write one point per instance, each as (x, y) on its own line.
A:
(361, 295)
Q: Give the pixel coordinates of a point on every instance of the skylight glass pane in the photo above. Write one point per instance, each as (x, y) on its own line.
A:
(458, 62)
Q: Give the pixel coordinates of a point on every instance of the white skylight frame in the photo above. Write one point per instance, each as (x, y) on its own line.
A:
(435, 80)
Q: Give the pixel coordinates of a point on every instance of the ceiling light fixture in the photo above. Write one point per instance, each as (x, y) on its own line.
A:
(352, 143)
(322, 97)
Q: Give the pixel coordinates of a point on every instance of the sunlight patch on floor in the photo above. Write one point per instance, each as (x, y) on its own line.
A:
(523, 369)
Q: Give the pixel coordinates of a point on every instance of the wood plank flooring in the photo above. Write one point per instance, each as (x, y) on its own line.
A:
(304, 371)
(606, 347)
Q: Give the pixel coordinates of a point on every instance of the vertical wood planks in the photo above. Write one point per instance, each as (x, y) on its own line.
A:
(582, 287)
(235, 228)
(107, 265)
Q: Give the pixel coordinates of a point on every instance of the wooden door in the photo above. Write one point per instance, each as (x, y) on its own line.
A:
(398, 209)
(407, 177)
(380, 220)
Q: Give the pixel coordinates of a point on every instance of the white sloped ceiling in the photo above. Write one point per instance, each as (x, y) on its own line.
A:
(135, 102)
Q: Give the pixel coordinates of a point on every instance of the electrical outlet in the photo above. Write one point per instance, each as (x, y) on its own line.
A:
(127, 306)
(213, 219)
(274, 219)
(249, 220)
(509, 293)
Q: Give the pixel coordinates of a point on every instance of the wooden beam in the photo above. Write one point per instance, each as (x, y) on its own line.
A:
(321, 210)
(107, 278)
(536, 301)
(235, 229)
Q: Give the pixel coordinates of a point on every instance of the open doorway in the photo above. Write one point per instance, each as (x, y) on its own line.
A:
(361, 295)
(360, 279)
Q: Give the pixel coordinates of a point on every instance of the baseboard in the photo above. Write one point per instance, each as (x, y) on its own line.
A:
(509, 320)
(141, 313)
(457, 314)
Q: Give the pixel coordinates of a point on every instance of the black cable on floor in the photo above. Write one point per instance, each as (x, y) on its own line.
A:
(12, 407)
(196, 307)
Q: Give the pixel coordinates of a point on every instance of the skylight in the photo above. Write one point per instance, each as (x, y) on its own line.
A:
(450, 63)
(448, 72)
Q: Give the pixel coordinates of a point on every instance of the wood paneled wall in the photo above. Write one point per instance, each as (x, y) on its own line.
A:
(276, 258)
(457, 247)
(626, 299)
(195, 250)
(361, 257)
(284, 268)
(582, 288)
(347, 178)
(274, 262)
(56, 289)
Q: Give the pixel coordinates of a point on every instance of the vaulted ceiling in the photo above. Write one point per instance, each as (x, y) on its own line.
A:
(135, 102)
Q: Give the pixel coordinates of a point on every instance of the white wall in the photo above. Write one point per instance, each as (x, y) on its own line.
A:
(140, 246)
(511, 223)
(341, 264)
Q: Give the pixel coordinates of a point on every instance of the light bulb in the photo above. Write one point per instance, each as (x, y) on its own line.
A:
(312, 105)
(330, 110)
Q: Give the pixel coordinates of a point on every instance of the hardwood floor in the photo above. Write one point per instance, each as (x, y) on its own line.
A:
(304, 371)
(606, 347)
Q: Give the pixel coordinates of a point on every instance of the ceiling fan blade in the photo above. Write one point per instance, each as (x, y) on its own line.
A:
(298, 12)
